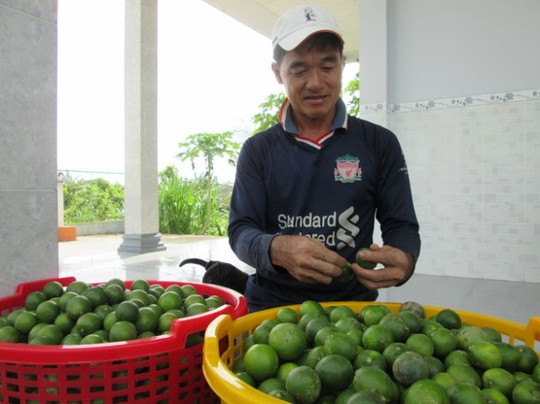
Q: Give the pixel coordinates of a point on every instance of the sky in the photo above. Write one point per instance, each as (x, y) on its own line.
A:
(213, 73)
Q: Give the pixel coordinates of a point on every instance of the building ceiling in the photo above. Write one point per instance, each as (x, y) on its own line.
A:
(260, 15)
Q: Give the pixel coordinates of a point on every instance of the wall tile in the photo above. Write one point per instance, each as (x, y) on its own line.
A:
(475, 174)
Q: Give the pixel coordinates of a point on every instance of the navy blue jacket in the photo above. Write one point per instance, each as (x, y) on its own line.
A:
(332, 190)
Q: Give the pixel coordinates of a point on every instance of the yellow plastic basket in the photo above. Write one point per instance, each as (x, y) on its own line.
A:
(224, 341)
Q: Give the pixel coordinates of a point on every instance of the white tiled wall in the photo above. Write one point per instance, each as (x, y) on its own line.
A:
(475, 173)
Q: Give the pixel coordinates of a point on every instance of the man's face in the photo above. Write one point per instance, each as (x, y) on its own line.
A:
(312, 81)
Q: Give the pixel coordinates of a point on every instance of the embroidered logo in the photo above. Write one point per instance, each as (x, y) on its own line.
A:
(348, 169)
(310, 14)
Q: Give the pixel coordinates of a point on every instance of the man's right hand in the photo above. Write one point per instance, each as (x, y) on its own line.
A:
(306, 259)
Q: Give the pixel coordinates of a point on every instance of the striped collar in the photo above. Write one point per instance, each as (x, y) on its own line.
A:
(287, 123)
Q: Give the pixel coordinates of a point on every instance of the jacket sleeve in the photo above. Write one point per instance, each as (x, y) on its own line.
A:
(247, 236)
(395, 209)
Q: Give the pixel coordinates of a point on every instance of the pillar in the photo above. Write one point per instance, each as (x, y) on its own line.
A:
(141, 168)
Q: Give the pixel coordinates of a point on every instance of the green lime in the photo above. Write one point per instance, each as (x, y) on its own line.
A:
(88, 323)
(103, 310)
(376, 380)
(62, 302)
(311, 356)
(304, 384)
(347, 273)
(373, 313)
(362, 263)
(425, 391)
(116, 281)
(341, 312)
(65, 322)
(78, 287)
(449, 319)
(377, 337)
(147, 321)
(493, 396)
(25, 322)
(53, 289)
(288, 340)
(413, 307)
(109, 320)
(421, 344)
(392, 351)
(499, 379)
(527, 391)
(165, 321)
(122, 331)
(410, 367)
(323, 334)
(484, 355)
(194, 298)
(341, 344)
(96, 295)
(141, 284)
(465, 393)
(335, 371)
(127, 310)
(464, 374)
(91, 339)
(177, 289)
(47, 311)
(261, 362)
(9, 333)
(33, 299)
(187, 290)
(369, 357)
(287, 315)
(71, 339)
(77, 306)
(311, 306)
(169, 300)
(397, 326)
(213, 302)
(529, 358)
(282, 372)
(196, 308)
(51, 332)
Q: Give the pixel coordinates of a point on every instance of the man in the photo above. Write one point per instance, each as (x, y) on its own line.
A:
(307, 190)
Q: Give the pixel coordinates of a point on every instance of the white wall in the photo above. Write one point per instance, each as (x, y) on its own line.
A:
(462, 93)
(442, 49)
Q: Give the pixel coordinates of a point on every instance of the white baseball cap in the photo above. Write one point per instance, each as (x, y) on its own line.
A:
(297, 24)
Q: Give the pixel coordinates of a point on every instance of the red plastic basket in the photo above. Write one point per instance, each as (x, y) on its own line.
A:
(159, 369)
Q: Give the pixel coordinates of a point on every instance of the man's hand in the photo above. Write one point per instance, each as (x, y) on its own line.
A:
(397, 267)
(306, 259)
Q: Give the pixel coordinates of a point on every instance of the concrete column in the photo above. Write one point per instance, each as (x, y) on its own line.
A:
(28, 89)
(141, 183)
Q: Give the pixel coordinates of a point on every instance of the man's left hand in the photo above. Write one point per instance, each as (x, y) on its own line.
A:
(397, 267)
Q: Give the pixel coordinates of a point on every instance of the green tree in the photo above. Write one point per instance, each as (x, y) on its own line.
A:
(268, 110)
(87, 201)
(182, 207)
(209, 146)
(352, 95)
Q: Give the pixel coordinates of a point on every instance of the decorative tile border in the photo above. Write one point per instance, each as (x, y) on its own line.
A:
(485, 99)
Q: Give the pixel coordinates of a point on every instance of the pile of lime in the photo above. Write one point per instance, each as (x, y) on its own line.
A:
(83, 313)
(335, 355)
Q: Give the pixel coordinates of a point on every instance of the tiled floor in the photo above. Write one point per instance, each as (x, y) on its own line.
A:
(95, 259)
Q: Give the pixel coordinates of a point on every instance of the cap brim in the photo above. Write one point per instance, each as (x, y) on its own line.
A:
(295, 38)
